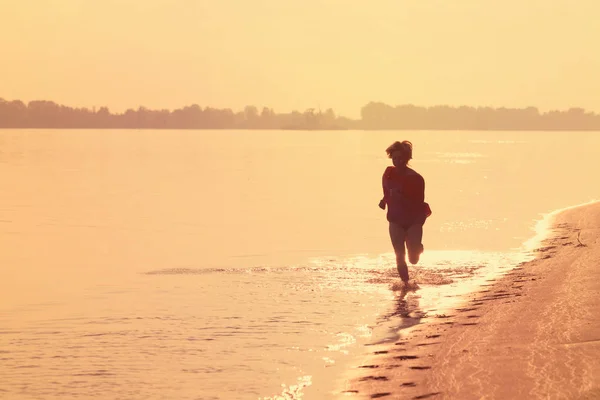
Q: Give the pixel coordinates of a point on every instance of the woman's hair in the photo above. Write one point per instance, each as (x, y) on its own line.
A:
(405, 147)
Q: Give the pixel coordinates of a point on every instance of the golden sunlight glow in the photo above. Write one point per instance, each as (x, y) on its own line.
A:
(300, 54)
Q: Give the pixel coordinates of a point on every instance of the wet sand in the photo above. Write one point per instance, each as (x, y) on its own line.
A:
(533, 333)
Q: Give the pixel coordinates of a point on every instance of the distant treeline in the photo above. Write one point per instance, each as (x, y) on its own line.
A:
(374, 116)
(383, 116)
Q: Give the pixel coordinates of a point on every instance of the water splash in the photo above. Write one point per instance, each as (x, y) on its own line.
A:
(292, 392)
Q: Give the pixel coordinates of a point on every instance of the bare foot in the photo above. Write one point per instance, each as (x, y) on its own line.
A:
(403, 272)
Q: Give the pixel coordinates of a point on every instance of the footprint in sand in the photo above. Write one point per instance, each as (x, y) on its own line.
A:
(466, 309)
(495, 297)
(406, 357)
(544, 249)
(374, 378)
(426, 396)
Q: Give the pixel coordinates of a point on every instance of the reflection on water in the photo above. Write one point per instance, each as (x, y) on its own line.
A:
(313, 321)
(406, 309)
(439, 284)
(230, 265)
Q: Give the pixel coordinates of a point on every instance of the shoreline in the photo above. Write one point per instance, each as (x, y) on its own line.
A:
(532, 332)
(306, 129)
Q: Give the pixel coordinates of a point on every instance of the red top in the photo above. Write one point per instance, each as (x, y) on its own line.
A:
(404, 194)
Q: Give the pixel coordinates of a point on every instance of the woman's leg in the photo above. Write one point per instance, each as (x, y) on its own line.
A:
(414, 235)
(398, 236)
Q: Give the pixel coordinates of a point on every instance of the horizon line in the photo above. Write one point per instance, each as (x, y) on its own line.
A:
(439, 105)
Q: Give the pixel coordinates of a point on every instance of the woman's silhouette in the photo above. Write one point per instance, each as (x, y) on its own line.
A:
(404, 195)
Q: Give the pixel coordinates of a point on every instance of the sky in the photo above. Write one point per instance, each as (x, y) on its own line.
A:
(299, 54)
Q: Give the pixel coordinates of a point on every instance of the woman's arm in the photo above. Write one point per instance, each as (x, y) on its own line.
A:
(384, 179)
(420, 189)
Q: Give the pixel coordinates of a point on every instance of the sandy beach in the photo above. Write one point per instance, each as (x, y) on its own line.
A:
(534, 333)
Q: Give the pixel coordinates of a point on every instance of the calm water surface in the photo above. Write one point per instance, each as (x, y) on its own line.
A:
(245, 265)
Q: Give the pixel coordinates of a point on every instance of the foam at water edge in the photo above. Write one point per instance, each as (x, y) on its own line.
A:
(292, 392)
(542, 227)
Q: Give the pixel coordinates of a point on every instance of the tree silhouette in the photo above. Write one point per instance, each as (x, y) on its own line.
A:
(374, 115)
